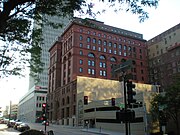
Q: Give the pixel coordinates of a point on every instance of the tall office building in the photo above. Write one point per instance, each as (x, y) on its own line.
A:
(164, 60)
(30, 106)
(89, 48)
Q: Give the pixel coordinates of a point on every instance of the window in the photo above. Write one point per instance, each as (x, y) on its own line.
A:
(120, 53)
(125, 54)
(105, 50)
(80, 62)
(102, 64)
(93, 71)
(141, 64)
(89, 71)
(115, 52)
(88, 46)
(81, 52)
(94, 47)
(99, 41)
(81, 30)
(125, 47)
(99, 49)
(81, 37)
(115, 45)
(104, 73)
(102, 57)
(140, 51)
(94, 40)
(104, 35)
(99, 34)
(110, 44)
(105, 43)
(113, 59)
(88, 39)
(129, 48)
(100, 73)
(80, 69)
(80, 45)
(110, 51)
(134, 49)
(120, 46)
(92, 63)
(91, 55)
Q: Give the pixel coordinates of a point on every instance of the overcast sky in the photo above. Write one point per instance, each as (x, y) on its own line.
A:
(164, 17)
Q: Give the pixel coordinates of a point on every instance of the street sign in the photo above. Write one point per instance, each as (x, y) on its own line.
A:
(122, 67)
(121, 105)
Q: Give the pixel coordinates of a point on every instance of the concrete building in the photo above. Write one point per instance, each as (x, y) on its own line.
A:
(89, 48)
(29, 105)
(164, 57)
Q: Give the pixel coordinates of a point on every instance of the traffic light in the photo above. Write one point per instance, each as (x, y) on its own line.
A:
(113, 101)
(47, 108)
(130, 92)
(44, 108)
(85, 100)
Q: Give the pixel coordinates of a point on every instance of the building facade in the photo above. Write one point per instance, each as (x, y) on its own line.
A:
(89, 48)
(164, 57)
(39, 89)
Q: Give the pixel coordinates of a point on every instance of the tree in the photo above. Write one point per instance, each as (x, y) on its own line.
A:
(168, 103)
(22, 42)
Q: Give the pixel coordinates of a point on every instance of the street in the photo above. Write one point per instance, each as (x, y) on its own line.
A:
(57, 129)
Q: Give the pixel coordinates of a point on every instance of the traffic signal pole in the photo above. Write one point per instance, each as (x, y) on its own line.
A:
(125, 103)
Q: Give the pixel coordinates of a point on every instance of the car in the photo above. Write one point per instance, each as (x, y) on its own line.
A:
(23, 127)
(47, 123)
(17, 124)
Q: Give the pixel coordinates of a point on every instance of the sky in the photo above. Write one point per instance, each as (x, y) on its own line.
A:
(165, 16)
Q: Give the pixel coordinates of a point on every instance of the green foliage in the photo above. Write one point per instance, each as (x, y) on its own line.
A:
(20, 40)
(168, 103)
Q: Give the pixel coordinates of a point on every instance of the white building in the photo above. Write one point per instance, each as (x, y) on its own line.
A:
(30, 104)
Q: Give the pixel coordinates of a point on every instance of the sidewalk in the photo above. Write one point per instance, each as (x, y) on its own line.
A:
(102, 131)
(92, 130)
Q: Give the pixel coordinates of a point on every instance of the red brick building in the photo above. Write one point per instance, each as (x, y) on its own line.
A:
(89, 48)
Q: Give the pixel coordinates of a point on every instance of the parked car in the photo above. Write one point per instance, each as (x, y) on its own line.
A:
(23, 127)
(17, 124)
(47, 123)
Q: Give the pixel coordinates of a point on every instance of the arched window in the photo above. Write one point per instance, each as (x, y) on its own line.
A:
(110, 44)
(105, 42)
(91, 55)
(99, 42)
(113, 59)
(88, 39)
(102, 57)
(94, 40)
